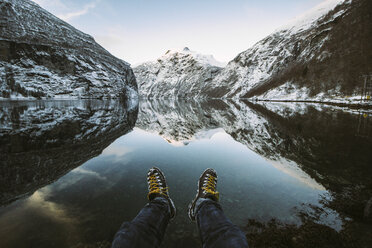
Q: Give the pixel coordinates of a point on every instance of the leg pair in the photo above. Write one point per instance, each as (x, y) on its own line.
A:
(147, 229)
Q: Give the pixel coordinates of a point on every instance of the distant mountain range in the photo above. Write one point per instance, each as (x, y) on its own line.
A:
(43, 56)
(320, 56)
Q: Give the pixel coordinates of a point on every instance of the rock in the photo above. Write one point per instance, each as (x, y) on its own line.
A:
(43, 56)
(320, 56)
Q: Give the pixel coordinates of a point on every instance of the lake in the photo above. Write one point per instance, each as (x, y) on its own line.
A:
(72, 171)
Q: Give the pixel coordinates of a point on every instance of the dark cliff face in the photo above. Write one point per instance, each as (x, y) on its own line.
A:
(326, 55)
(42, 141)
(43, 56)
(321, 61)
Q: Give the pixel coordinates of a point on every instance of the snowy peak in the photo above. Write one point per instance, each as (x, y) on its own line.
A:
(206, 59)
(178, 73)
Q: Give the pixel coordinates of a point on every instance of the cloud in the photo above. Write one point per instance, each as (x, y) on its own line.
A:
(71, 15)
(40, 203)
(89, 173)
(116, 150)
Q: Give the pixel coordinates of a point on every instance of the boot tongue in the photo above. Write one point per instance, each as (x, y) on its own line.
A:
(155, 195)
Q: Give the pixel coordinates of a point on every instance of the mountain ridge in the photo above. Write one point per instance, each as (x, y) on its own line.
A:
(319, 57)
(67, 64)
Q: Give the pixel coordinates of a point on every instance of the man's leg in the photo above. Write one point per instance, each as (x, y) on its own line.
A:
(147, 229)
(215, 229)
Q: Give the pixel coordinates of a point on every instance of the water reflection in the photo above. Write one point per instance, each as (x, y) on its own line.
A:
(364, 125)
(281, 161)
(43, 140)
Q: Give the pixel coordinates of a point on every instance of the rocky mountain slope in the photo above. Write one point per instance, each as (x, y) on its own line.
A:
(322, 55)
(43, 56)
(182, 73)
(42, 141)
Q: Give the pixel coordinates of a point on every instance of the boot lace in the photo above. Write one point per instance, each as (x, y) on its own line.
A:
(209, 186)
(154, 187)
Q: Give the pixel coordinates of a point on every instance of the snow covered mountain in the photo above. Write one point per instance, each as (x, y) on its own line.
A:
(319, 56)
(43, 56)
(40, 141)
(178, 73)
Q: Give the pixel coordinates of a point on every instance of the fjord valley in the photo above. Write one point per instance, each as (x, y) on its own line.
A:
(286, 123)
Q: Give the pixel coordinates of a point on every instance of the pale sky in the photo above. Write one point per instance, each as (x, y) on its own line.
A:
(143, 30)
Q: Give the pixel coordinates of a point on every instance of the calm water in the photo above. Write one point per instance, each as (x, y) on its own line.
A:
(73, 171)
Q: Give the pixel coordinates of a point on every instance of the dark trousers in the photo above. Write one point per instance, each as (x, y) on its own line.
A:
(147, 229)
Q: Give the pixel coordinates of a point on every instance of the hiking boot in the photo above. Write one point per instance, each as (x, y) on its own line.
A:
(158, 188)
(206, 189)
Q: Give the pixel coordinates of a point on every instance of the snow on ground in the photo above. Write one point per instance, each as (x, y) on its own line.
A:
(286, 109)
(291, 92)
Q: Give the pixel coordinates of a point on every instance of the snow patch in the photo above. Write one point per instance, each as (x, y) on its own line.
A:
(306, 20)
(202, 58)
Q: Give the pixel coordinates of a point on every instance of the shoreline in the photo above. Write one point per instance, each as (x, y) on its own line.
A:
(352, 105)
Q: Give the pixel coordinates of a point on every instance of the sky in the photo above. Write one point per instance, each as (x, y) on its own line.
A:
(143, 30)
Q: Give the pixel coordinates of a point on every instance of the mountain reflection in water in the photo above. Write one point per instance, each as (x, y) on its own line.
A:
(275, 161)
(42, 140)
